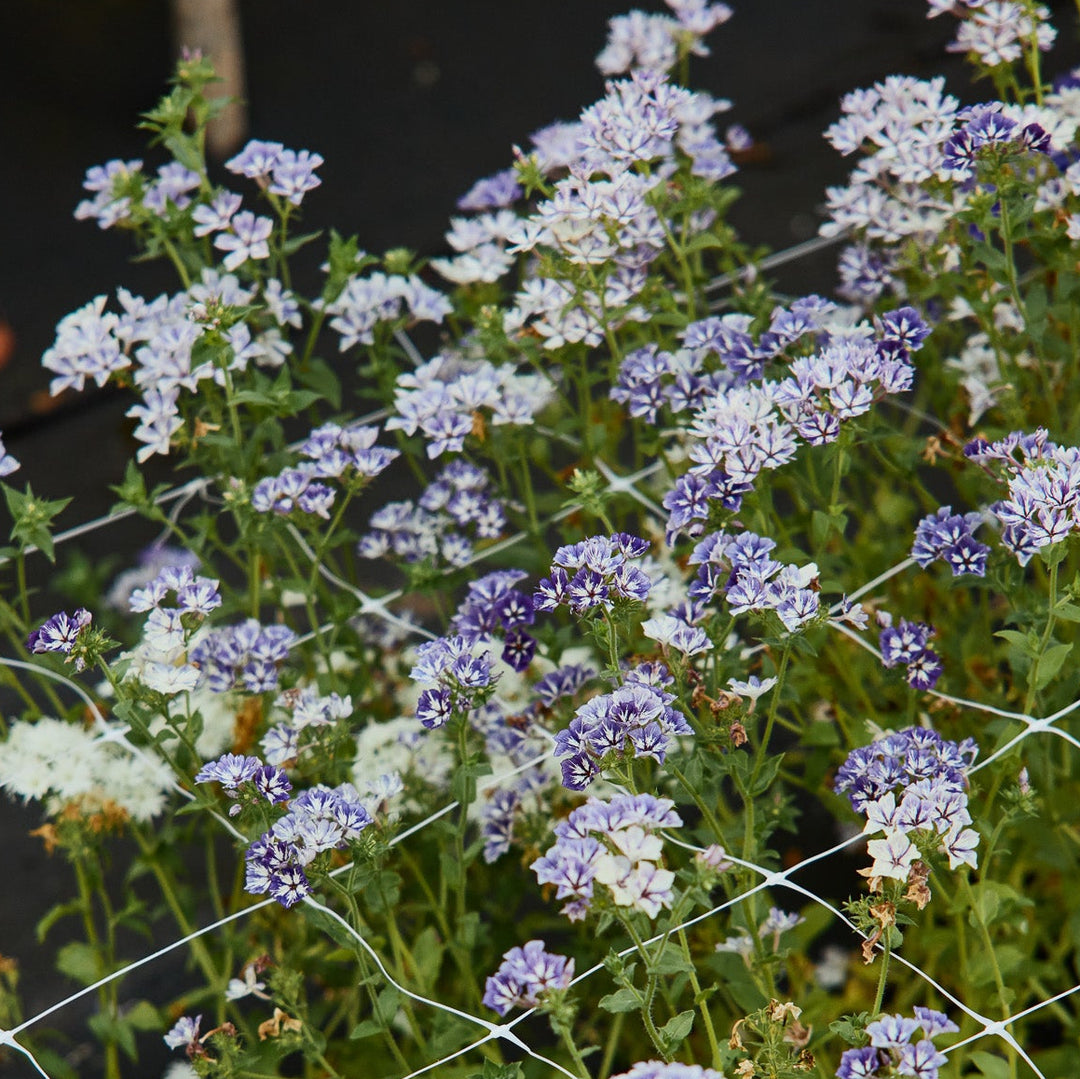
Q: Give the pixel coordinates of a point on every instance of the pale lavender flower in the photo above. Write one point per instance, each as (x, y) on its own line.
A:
(257, 159)
(526, 976)
(247, 240)
(8, 464)
(293, 174)
(184, 1033)
(216, 215)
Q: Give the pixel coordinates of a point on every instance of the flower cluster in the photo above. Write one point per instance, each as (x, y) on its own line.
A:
(563, 682)
(235, 772)
(308, 711)
(493, 607)
(657, 1069)
(642, 42)
(348, 454)
(455, 510)
(919, 173)
(246, 656)
(910, 783)
(651, 379)
(891, 1050)
(459, 679)
(950, 537)
(740, 567)
(289, 174)
(612, 844)
(63, 764)
(907, 645)
(595, 573)
(526, 976)
(600, 212)
(449, 398)
(174, 343)
(636, 720)
(743, 424)
(997, 32)
(319, 819)
(365, 302)
(987, 126)
(1043, 503)
(159, 662)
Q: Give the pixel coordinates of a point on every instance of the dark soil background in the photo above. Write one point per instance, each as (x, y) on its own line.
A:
(409, 102)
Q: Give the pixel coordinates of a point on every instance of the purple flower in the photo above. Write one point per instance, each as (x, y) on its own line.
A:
(526, 976)
(563, 682)
(60, 633)
(319, 819)
(950, 537)
(657, 1069)
(294, 174)
(184, 1034)
(860, 1063)
(257, 159)
(230, 770)
(891, 1031)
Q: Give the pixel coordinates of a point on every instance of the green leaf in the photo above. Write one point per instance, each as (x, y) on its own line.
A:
(676, 1030)
(670, 961)
(428, 951)
(53, 915)
(184, 149)
(498, 1071)
(108, 1028)
(622, 1000)
(294, 243)
(319, 376)
(1051, 662)
(764, 781)
(1025, 643)
(142, 1016)
(1067, 612)
(991, 1066)
(365, 1029)
(80, 961)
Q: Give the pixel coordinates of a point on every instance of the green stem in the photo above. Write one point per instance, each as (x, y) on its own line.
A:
(172, 901)
(106, 993)
(770, 719)
(706, 812)
(650, 991)
(706, 1018)
(178, 263)
(883, 975)
(1033, 680)
(24, 598)
(562, 1029)
(613, 1040)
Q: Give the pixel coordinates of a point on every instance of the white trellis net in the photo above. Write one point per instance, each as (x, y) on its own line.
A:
(786, 879)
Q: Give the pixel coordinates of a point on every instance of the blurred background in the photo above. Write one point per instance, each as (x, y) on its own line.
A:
(408, 102)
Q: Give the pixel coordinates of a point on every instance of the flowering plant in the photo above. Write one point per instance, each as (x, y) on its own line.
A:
(606, 628)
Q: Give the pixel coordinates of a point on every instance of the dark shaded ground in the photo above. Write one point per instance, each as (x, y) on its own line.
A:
(409, 102)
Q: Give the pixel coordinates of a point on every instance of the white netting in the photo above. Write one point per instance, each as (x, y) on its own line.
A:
(379, 607)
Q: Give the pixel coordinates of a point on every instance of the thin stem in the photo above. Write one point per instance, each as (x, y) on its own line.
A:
(706, 1018)
(1033, 680)
(883, 976)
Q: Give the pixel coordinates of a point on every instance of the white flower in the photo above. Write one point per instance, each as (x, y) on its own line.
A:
(753, 687)
(892, 855)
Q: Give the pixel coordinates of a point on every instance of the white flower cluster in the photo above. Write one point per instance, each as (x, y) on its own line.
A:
(59, 763)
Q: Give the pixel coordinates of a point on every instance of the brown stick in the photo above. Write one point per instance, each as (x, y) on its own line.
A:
(213, 27)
